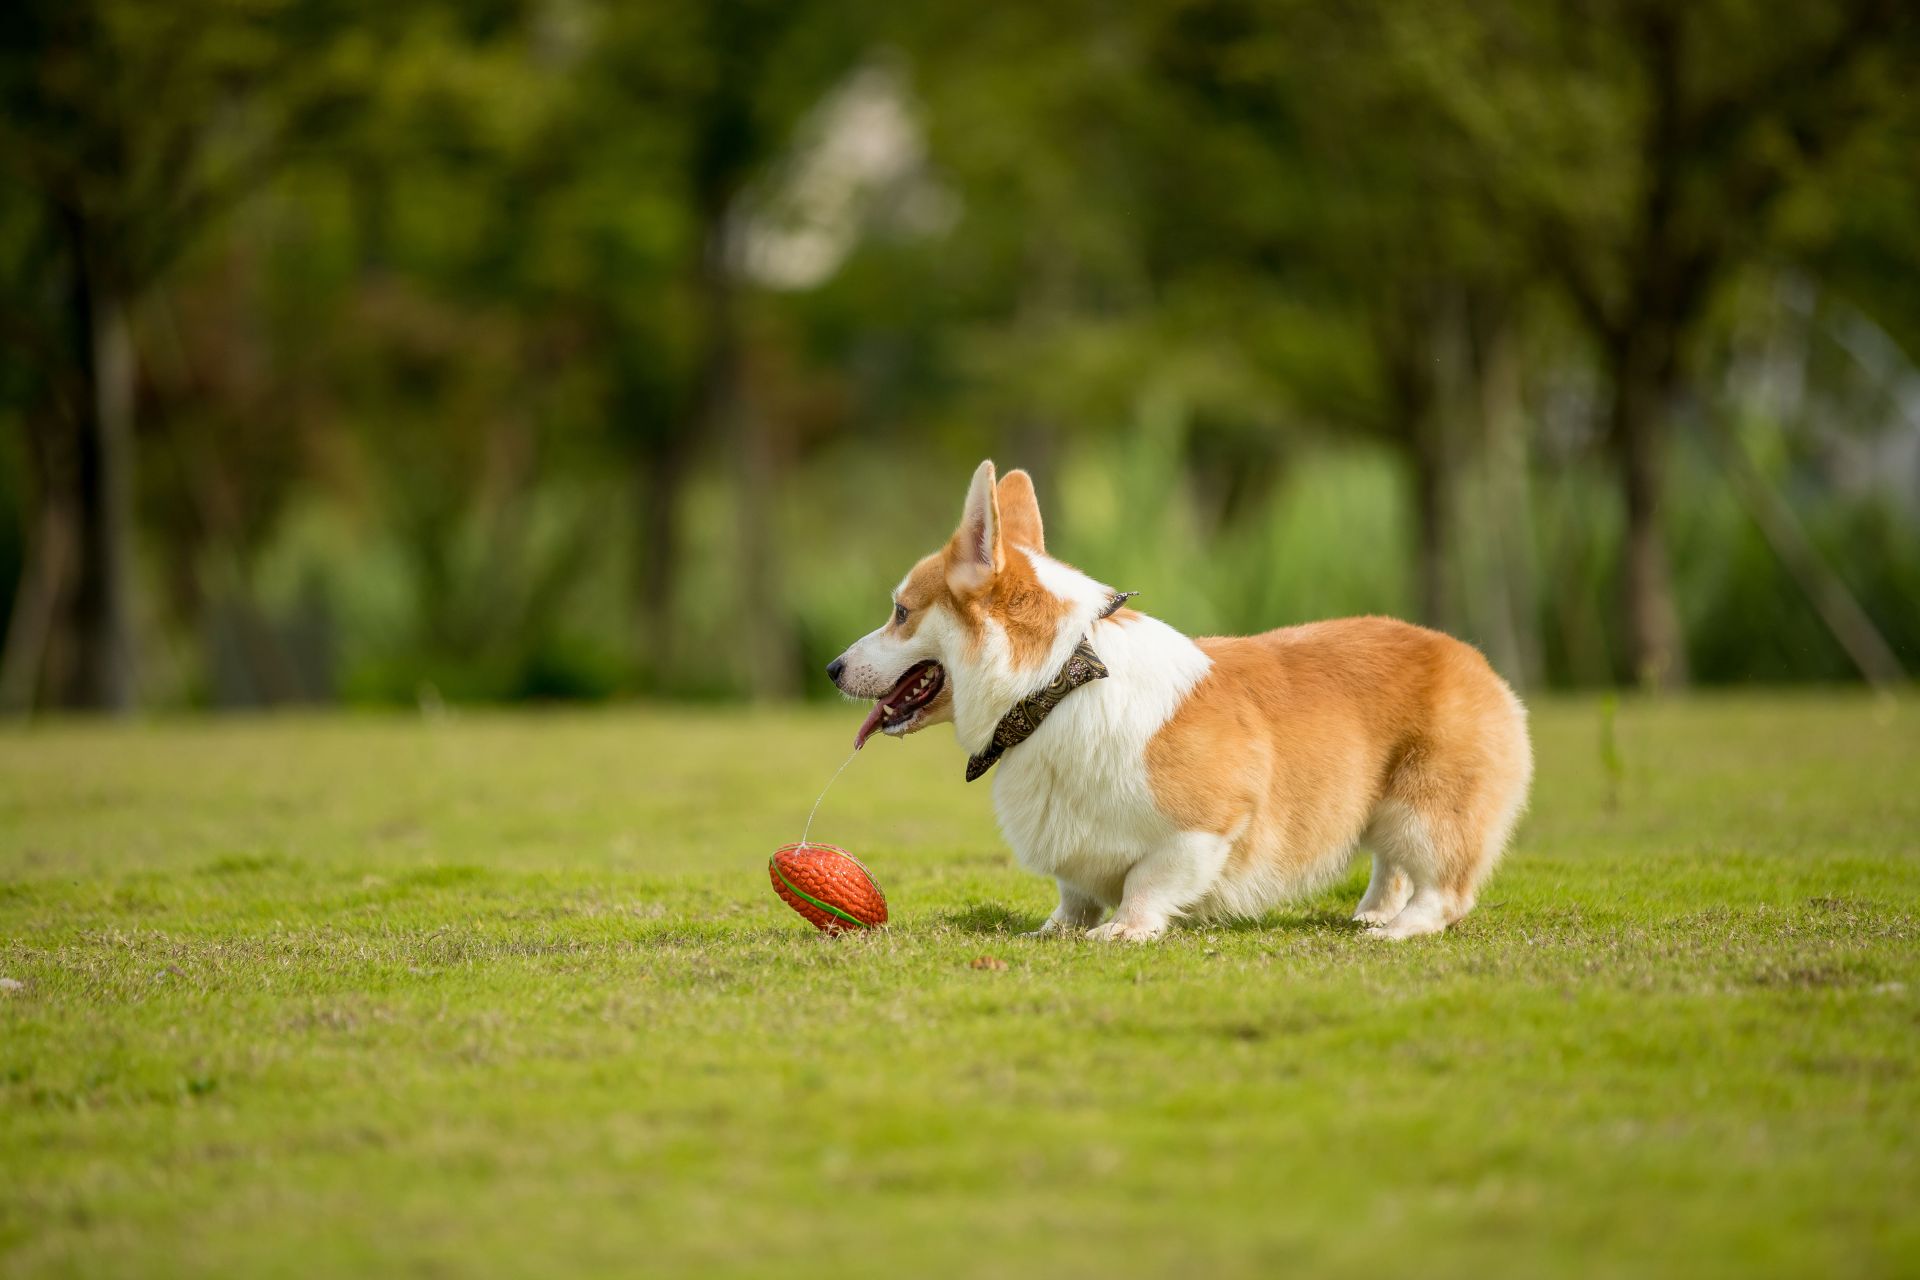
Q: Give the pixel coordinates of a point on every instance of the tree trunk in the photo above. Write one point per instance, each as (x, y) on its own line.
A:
(1641, 394)
(771, 649)
(1435, 519)
(101, 675)
(728, 414)
(1411, 353)
(41, 599)
(1512, 605)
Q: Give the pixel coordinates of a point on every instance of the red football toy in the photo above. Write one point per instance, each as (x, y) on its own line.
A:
(828, 886)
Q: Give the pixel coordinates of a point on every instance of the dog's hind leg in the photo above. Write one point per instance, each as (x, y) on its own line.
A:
(1388, 889)
(1445, 821)
(1423, 856)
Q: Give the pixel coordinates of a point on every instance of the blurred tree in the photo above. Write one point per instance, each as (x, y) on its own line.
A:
(133, 127)
(1382, 234)
(1093, 291)
(548, 347)
(1639, 148)
(715, 92)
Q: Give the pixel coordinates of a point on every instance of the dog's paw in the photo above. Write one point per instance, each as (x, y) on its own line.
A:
(1375, 915)
(1127, 931)
(1404, 926)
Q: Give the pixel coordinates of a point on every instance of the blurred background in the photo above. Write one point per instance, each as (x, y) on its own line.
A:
(573, 349)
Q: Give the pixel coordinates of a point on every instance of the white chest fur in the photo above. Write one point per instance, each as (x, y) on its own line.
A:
(1074, 800)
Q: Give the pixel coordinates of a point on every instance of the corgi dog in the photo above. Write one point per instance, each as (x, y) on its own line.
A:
(1155, 777)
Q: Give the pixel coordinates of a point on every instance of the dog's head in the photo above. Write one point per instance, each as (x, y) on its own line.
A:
(974, 627)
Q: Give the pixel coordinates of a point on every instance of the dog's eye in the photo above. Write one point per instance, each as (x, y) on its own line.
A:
(899, 614)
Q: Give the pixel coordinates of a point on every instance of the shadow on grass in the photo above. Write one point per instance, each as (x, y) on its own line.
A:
(1319, 920)
(989, 917)
(992, 918)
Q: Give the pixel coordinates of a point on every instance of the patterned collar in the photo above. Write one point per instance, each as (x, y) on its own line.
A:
(1083, 666)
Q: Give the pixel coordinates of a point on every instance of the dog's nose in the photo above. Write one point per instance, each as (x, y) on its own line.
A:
(834, 669)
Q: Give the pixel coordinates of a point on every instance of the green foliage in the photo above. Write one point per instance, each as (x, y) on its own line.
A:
(506, 994)
(453, 371)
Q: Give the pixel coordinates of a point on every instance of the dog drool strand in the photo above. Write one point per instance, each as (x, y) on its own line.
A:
(808, 829)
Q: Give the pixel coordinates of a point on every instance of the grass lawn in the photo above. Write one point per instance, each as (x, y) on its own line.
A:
(510, 994)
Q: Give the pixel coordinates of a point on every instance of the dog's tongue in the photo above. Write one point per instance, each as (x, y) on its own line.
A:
(869, 725)
(895, 696)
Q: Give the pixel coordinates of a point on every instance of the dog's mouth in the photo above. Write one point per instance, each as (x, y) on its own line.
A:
(902, 705)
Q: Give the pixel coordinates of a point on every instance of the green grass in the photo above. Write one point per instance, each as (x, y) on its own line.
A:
(511, 995)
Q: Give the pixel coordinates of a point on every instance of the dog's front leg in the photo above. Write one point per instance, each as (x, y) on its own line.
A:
(1163, 884)
(1077, 910)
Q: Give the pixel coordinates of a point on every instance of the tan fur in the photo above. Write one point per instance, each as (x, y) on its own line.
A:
(1012, 596)
(1312, 737)
(1020, 524)
(925, 587)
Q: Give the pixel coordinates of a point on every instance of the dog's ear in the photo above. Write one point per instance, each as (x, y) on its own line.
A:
(977, 553)
(1020, 512)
